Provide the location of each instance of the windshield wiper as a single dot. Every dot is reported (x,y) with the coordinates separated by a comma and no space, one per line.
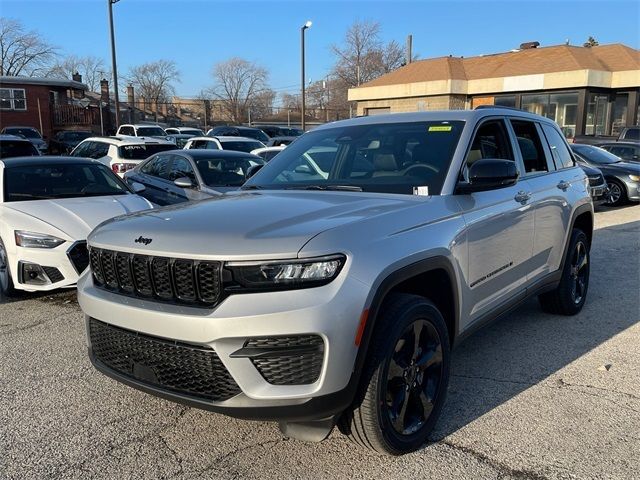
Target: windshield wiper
(344,188)
(248,187)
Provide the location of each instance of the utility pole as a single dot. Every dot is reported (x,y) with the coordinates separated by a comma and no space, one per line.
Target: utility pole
(113,62)
(302,30)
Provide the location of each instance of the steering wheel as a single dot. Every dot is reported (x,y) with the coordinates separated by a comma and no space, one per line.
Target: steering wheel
(420,166)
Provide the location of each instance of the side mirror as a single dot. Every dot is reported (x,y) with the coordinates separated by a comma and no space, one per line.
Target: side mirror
(489,174)
(252,170)
(303,169)
(183,182)
(137,187)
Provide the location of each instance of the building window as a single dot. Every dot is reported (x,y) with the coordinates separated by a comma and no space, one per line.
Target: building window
(12,99)
(562,108)
(619,113)
(597,114)
(506,101)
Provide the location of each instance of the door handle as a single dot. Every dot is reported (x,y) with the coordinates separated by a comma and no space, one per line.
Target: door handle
(563,185)
(522,197)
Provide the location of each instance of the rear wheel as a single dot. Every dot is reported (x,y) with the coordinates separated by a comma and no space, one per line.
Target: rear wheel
(617,194)
(569,296)
(404,381)
(6,282)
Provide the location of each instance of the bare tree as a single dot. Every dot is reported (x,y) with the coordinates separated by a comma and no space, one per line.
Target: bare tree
(290,102)
(23,52)
(238,81)
(91,68)
(154,81)
(262,103)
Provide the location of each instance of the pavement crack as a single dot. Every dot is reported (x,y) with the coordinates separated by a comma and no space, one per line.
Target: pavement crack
(502,469)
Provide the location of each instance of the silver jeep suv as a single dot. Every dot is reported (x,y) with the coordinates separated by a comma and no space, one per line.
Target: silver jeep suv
(331,289)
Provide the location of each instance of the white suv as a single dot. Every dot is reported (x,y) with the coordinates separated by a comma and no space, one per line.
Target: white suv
(155,131)
(239,144)
(120,153)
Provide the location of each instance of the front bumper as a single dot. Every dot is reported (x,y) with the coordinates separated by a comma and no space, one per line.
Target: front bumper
(330,312)
(56,263)
(633,190)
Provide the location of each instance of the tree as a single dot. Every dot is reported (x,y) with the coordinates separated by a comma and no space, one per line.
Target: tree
(262,103)
(23,52)
(363,56)
(154,80)
(91,68)
(591,42)
(238,82)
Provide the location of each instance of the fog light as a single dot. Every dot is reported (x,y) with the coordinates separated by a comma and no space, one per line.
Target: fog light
(33,274)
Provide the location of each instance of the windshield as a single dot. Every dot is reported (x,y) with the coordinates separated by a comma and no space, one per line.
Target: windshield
(25,132)
(254,133)
(229,172)
(595,154)
(240,145)
(17,148)
(150,132)
(142,151)
(389,158)
(45,182)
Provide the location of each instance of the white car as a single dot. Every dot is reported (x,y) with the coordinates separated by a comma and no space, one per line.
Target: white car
(238,144)
(196,132)
(121,153)
(143,130)
(48,206)
(267,153)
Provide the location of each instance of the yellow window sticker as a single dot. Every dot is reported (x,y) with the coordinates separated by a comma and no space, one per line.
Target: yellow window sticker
(440,128)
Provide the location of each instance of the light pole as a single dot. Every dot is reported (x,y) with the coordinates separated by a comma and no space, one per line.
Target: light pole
(113,62)
(304,27)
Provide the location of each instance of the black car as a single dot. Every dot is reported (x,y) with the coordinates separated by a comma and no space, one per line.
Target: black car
(598,187)
(628,151)
(14,146)
(63,142)
(232,131)
(623,178)
(277,131)
(179,176)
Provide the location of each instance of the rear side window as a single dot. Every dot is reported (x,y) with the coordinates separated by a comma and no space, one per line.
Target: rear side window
(17,148)
(142,151)
(530,146)
(559,149)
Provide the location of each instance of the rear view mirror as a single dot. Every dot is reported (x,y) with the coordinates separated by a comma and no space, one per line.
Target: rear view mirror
(183,182)
(489,174)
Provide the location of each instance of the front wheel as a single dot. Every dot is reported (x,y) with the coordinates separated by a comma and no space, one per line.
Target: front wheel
(617,194)
(6,282)
(405,378)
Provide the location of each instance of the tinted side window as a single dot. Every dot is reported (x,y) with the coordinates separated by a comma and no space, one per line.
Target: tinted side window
(621,151)
(632,134)
(491,141)
(181,167)
(100,150)
(158,167)
(81,149)
(530,146)
(561,154)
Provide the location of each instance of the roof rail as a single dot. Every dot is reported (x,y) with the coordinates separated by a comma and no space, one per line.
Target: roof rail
(483,107)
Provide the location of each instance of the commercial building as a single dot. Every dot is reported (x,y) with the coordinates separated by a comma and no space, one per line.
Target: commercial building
(586,90)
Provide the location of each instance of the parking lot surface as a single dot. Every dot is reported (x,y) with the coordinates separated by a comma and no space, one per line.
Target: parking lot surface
(532,396)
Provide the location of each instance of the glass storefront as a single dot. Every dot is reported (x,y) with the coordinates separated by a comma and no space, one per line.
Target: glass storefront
(619,117)
(597,114)
(505,101)
(562,108)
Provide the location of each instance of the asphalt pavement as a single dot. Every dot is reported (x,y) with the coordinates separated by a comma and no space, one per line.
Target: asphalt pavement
(532,396)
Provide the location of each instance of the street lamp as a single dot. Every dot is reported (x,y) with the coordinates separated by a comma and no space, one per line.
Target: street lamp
(304,27)
(113,61)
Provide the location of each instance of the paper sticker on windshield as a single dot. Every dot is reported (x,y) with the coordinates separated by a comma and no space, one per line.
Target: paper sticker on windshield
(440,128)
(422,190)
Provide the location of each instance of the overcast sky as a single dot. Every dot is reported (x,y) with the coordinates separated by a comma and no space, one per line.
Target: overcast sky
(197,34)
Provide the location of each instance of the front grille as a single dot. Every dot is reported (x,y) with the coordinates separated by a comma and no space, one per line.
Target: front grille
(595,180)
(301,365)
(54,274)
(79,256)
(165,279)
(191,370)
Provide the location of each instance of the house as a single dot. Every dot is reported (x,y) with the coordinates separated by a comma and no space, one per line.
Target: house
(586,90)
(49,105)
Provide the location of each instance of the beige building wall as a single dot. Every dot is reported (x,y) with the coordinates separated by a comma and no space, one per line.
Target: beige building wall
(415,104)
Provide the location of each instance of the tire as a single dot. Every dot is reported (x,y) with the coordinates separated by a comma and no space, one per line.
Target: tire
(617,195)
(569,296)
(6,282)
(372,421)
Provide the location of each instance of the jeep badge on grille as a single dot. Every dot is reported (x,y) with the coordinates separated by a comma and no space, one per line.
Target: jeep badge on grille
(143,240)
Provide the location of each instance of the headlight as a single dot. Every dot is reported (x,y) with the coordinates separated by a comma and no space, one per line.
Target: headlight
(286,274)
(36,240)
(635,178)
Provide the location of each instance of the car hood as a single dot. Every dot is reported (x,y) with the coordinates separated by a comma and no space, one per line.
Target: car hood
(76,217)
(622,167)
(243,225)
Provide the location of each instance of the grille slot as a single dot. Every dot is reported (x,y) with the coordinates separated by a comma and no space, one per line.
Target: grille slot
(54,274)
(299,366)
(178,367)
(178,280)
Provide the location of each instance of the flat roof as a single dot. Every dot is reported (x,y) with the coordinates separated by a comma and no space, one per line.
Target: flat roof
(50,82)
